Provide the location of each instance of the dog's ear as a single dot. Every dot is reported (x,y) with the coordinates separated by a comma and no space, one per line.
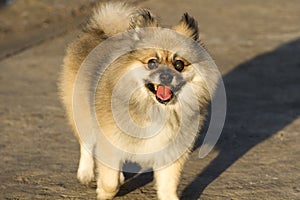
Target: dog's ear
(143,18)
(188,26)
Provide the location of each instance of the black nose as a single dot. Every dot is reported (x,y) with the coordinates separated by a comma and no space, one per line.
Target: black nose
(166,78)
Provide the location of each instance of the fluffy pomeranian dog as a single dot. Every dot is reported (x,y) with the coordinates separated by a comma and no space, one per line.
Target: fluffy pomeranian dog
(159,76)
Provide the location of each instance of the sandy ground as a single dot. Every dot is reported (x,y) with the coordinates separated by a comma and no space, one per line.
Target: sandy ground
(256,45)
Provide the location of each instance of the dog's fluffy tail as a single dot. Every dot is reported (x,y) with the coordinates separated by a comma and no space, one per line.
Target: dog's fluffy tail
(116,17)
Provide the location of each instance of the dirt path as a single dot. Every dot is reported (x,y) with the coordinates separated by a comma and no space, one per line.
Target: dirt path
(256,45)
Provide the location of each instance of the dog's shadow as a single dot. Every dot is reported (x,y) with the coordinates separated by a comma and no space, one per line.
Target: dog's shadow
(263,98)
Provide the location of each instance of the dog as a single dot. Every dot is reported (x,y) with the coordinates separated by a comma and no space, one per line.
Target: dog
(158,78)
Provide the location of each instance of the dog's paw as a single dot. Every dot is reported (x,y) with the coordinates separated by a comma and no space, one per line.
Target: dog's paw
(168,197)
(85,176)
(104,195)
(85,173)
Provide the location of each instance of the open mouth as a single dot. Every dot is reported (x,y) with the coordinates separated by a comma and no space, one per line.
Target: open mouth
(162,93)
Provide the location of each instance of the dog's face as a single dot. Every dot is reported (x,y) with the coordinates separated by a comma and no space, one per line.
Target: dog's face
(165,75)
(164,82)
(162,77)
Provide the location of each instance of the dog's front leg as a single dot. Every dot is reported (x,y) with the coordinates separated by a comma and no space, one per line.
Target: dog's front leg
(108,181)
(167,179)
(85,173)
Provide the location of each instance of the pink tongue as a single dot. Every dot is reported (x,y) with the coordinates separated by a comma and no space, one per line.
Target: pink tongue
(163,93)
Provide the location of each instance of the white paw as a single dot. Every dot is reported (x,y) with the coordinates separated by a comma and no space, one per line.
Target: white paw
(167,197)
(85,173)
(103,195)
(85,176)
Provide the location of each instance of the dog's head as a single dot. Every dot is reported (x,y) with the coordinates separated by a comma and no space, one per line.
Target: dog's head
(169,68)
(166,61)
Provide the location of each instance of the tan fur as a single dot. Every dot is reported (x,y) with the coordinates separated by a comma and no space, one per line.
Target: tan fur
(108,20)
(183,29)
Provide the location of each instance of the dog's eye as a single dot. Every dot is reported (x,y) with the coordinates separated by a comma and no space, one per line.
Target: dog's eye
(152,64)
(179,65)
